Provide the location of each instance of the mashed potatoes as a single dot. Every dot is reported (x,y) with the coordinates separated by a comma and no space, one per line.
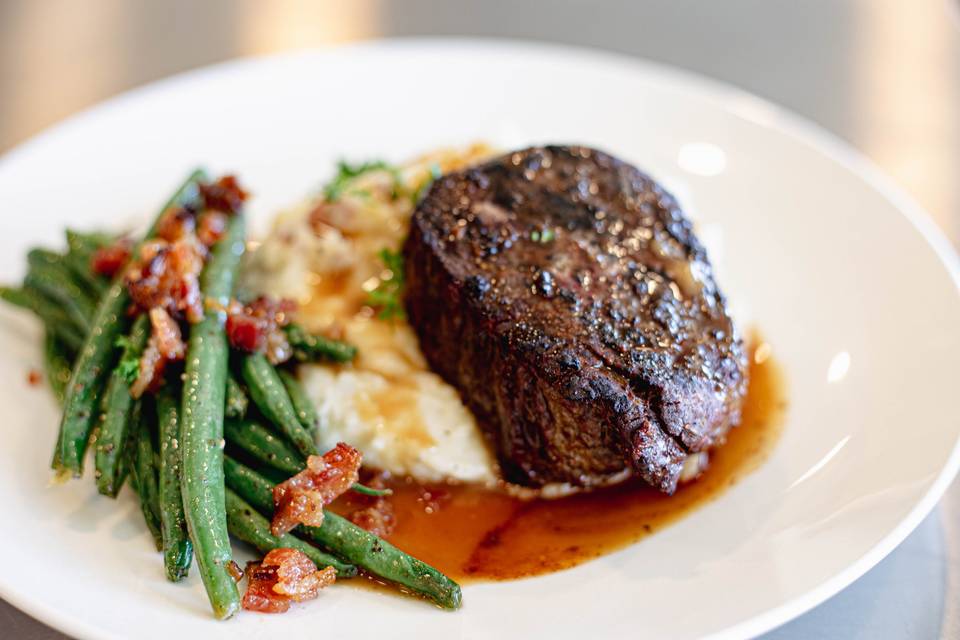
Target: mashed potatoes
(387,403)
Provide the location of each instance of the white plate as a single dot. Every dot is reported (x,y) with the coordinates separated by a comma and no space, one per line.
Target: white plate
(846,277)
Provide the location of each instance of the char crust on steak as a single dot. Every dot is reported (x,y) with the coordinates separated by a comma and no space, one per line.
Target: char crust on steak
(564,294)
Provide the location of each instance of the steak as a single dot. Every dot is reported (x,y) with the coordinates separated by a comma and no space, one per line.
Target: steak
(564,294)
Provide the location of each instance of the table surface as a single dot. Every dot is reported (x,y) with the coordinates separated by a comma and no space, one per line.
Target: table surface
(882,74)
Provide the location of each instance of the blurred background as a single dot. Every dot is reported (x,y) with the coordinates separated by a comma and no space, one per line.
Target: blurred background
(882,74)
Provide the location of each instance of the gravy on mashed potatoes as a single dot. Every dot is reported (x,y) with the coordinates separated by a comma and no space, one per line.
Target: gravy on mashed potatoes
(387,403)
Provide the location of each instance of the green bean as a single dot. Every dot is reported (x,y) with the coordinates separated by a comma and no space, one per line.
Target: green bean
(248,525)
(273,475)
(306,412)
(201,428)
(97,357)
(144,473)
(352,543)
(68,335)
(48,311)
(81,248)
(177,548)
(271,398)
(79,267)
(115,423)
(80,242)
(311,348)
(263,445)
(70,338)
(237,400)
(370,491)
(51,284)
(56,360)
(39,258)
(35,302)
(128,455)
(49,274)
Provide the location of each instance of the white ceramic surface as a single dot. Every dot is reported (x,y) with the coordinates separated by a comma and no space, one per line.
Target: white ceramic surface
(849,281)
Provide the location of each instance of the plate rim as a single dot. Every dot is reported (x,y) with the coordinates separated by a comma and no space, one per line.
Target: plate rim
(725,96)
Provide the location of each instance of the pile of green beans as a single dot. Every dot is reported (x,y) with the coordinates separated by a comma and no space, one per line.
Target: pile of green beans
(170,444)
(98,356)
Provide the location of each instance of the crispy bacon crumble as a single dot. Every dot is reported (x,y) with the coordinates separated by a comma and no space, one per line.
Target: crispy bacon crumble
(284,576)
(224,195)
(163,279)
(300,500)
(175,224)
(211,225)
(107,261)
(258,326)
(235,571)
(167,275)
(165,345)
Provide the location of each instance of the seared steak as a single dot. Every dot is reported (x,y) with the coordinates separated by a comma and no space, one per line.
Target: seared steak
(564,294)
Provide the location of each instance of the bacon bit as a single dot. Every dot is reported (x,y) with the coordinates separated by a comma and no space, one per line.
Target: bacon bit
(300,500)
(211,225)
(284,576)
(245,332)
(166,333)
(107,261)
(175,224)
(260,596)
(152,365)
(34,377)
(167,276)
(224,195)
(258,326)
(235,571)
(297,576)
(165,345)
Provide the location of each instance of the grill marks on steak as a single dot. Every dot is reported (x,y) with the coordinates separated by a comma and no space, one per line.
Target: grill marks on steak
(564,294)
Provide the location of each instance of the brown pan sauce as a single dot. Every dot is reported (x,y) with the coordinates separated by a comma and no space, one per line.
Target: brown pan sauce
(473,533)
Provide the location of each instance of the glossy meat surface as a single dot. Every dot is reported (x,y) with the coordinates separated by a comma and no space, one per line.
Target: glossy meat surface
(563,292)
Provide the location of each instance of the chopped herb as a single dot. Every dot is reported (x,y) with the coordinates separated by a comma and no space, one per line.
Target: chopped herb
(543,237)
(387,296)
(397,182)
(129,367)
(346,172)
(435,173)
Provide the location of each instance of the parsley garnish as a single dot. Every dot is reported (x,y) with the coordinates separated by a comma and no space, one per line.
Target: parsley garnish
(129,367)
(387,296)
(543,237)
(346,172)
